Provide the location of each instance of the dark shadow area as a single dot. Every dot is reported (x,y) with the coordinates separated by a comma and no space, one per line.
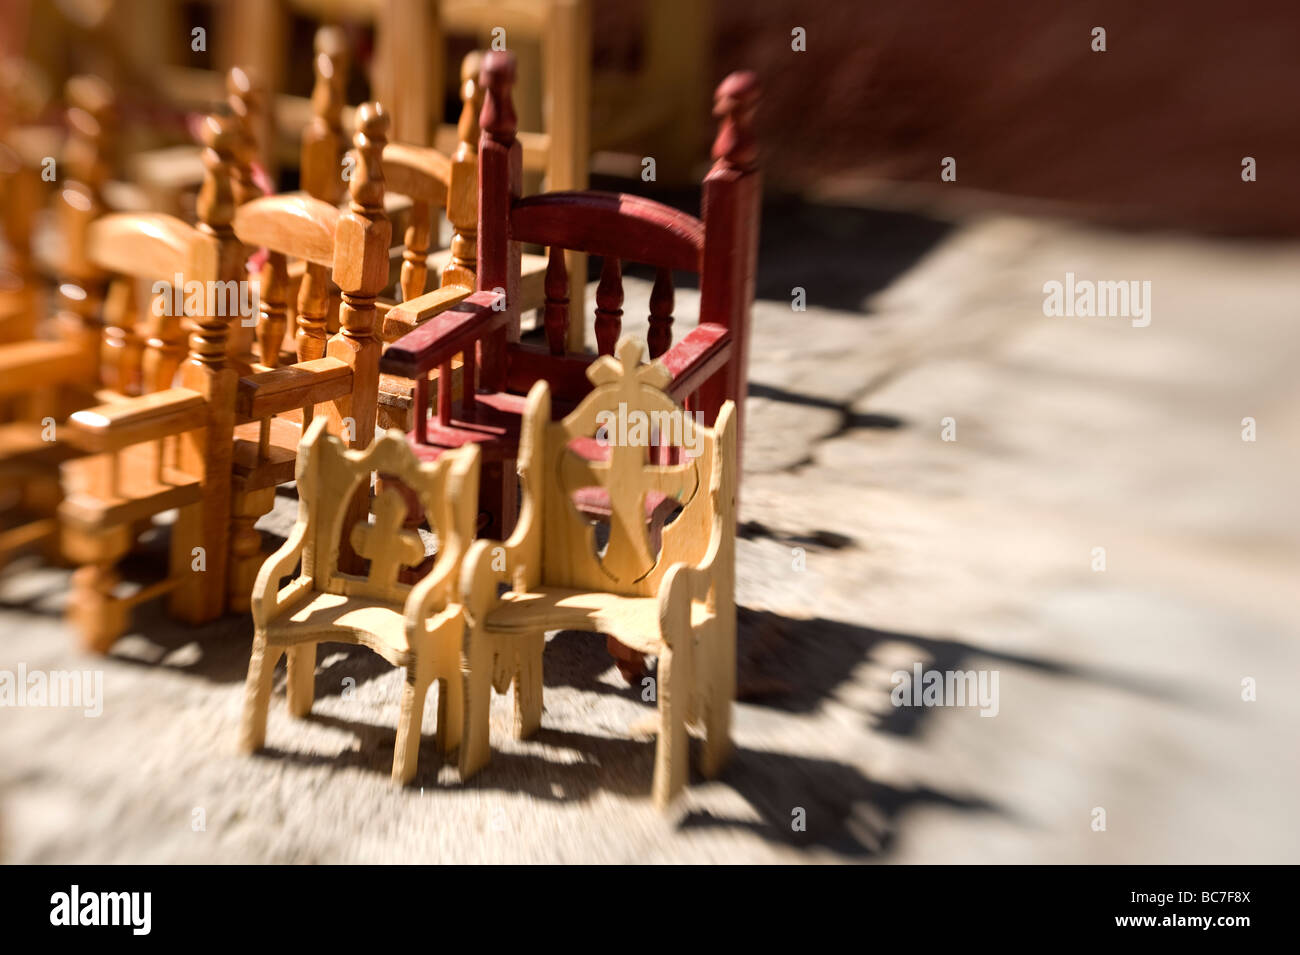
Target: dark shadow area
(850,420)
(786,664)
(801,802)
(809,803)
(819,539)
(839,255)
(793,665)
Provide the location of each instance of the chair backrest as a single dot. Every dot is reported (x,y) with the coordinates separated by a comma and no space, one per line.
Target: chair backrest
(20,197)
(329,477)
(22,193)
(246,99)
(629,413)
(721,248)
(168,255)
(324,141)
(192,273)
(354,244)
(432,181)
(80,203)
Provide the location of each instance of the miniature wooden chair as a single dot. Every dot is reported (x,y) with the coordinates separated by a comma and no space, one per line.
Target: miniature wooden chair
(419,628)
(42,381)
(708,366)
(338,374)
(677,603)
(169,450)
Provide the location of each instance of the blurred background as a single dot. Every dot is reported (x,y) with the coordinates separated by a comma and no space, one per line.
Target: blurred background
(1153,685)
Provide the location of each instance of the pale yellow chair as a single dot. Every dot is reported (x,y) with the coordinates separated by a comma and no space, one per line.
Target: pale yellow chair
(417,627)
(674,601)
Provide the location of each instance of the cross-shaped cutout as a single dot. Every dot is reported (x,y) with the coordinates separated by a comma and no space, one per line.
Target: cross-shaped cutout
(385,543)
(626,475)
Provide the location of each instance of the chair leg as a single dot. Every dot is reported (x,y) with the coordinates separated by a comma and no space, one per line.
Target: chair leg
(246,545)
(406,754)
(451,712)
(528,685)
(257,695)
(99,616)
(718,691)
(672,748)
(199,597)
(475,747)
(302,678)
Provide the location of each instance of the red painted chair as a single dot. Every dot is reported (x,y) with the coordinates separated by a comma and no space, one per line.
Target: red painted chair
(708,366)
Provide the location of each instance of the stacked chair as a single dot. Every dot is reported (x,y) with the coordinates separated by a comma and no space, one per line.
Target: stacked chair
(389,412)
(50,368)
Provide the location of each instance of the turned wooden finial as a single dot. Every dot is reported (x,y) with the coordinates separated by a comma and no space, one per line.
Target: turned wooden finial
(90,120)
(462,198)
(471,98)
(331,42)
(80,201)
(245,98)
(220,137)
(367,185)
(497,78)
(323,140)
(735,103)
(331,77)
(245,94)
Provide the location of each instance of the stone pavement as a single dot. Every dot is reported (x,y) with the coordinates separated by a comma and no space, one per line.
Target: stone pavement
(870,544)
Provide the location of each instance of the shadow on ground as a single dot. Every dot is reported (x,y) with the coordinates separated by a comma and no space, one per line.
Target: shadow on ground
(840,255)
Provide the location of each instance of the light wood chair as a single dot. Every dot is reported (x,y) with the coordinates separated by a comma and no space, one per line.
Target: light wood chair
(336,375)
(168,450)
(419,628)
(44,379)
(676,603)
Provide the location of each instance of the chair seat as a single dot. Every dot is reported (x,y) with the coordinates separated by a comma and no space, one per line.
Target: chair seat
(374,623)
(251,470)
(633,620)
(142,491)
(493,425)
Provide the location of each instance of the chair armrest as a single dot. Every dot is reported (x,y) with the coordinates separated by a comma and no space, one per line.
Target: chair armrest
(479,580)
(403,319)
(444,336)
(704,574)
(111,427)
(438,590)
(26,366)
(696,358)
(269,600)
(274,392)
